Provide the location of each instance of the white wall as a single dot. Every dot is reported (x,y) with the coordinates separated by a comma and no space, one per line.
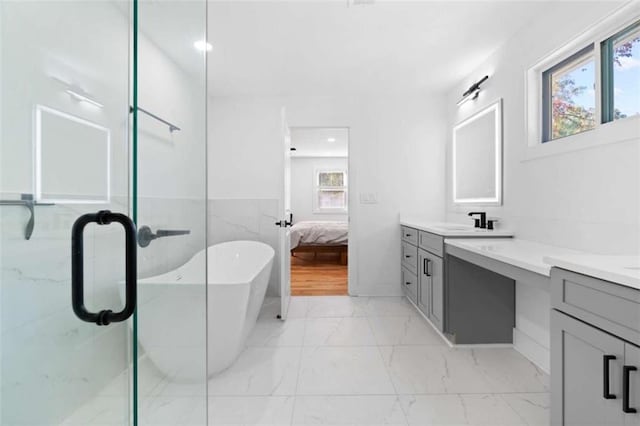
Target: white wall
(396,150)
(303,171)
(587,200)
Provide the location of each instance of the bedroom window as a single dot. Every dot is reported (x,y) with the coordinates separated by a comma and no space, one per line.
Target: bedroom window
(330,191)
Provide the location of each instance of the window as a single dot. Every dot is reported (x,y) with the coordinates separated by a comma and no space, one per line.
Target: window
(621,74)
(587,93)
(568,96)
(330,191)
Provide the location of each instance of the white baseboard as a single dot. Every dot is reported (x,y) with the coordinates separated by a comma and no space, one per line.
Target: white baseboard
(532,350)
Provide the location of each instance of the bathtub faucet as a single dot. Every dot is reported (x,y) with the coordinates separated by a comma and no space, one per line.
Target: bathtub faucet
(145,235)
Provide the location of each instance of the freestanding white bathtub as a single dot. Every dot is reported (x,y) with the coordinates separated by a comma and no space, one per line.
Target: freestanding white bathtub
(173,319)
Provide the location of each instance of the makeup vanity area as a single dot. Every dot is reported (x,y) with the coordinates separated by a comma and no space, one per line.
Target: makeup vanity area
(463,281)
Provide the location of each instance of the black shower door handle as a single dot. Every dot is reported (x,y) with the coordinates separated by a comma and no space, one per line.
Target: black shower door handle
(106,316)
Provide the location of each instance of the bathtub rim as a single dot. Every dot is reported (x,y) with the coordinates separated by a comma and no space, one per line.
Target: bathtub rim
(146,281)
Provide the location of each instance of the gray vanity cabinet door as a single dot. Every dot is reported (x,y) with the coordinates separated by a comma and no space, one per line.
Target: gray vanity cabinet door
(424,283)
(436,270)
(430,288)
(578,374)
(632,359)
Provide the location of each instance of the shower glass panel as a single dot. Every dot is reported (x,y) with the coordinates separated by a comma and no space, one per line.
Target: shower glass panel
(171,210)
(102,111)
(65,142)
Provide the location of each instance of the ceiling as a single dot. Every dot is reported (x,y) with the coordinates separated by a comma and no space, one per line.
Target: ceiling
(320,142)
(333,48)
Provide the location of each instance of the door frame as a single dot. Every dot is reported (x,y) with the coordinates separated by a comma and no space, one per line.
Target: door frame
(352,245)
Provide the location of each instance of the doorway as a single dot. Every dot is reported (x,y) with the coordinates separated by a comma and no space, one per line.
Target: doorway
(319,193)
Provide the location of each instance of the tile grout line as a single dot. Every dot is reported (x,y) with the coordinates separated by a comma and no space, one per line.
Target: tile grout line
(348,395)
(295,391)
(386,369)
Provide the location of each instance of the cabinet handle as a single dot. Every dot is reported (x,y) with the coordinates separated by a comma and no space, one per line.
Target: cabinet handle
(407,235)
(606,359)
(425,267)
(626,372)
(407,256)
(407,283)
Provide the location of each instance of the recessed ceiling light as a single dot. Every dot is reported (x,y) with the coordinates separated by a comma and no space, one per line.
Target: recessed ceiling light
(331,140)
(202,45)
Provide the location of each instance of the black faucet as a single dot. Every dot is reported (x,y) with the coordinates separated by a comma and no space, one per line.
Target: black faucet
(482,222)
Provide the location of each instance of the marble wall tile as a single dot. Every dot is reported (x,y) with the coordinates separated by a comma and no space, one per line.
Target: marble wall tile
(247,219)
(35,296)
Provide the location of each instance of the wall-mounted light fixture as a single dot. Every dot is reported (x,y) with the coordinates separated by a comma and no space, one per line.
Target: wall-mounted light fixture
(80,96)
(473,91)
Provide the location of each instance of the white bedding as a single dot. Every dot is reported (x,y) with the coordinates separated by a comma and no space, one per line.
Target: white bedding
(332,233)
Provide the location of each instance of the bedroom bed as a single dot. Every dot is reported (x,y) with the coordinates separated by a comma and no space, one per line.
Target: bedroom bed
(320,237)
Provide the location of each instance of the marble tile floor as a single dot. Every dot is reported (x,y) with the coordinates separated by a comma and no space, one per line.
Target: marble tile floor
(339,360)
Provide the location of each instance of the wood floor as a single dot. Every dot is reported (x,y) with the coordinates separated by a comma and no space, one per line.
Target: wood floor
(319,276)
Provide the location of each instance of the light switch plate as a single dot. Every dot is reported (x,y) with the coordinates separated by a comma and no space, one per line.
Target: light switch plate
(368,198)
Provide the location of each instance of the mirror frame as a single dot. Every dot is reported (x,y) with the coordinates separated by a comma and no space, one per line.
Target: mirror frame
(37,158)
(496,109)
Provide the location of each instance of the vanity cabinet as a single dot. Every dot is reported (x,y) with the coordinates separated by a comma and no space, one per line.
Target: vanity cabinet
(423,272)
(431,287)
(409,263)
(595,351)
(428,282)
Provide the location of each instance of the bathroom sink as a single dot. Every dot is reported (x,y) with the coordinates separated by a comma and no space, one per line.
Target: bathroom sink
(449,229)
(454,227)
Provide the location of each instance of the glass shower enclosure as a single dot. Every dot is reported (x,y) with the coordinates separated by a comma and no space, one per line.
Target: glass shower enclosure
(102,108)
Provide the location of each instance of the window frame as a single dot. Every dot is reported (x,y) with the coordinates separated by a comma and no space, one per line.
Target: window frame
(584,55)
(606,71)
(604,132)
(317,188)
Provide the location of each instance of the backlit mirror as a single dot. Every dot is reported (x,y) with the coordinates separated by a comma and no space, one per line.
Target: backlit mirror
(477,158)
(71,159)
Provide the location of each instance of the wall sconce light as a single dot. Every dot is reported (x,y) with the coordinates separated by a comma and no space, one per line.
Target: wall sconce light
(80,96)
(473,91)
(76,93)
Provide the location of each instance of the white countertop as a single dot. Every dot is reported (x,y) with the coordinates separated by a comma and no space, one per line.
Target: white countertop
(521,253)
(453,229)
(624,270)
